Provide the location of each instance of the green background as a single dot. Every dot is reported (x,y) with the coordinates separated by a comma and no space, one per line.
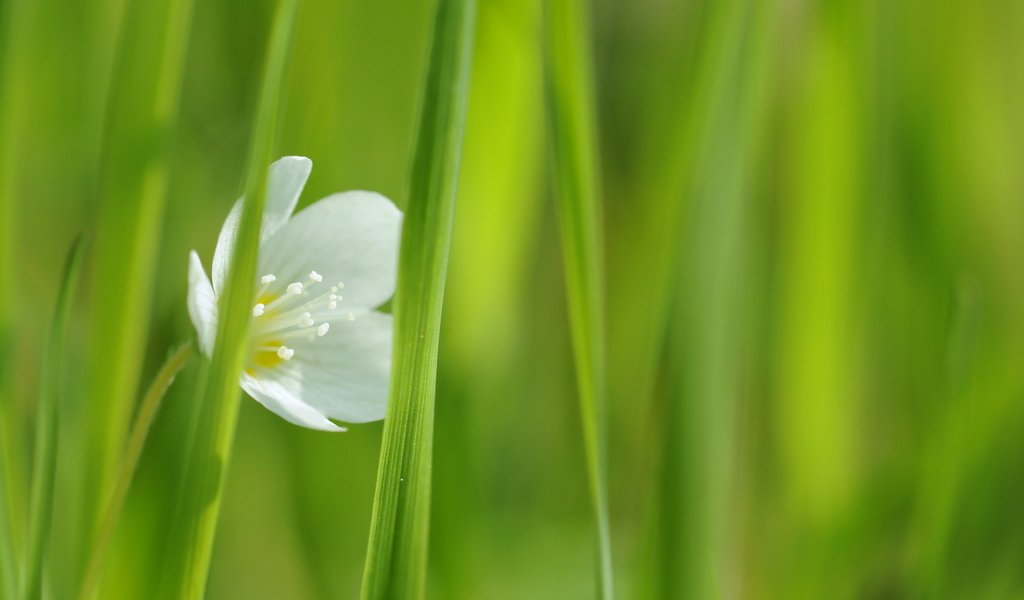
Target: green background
(814,232)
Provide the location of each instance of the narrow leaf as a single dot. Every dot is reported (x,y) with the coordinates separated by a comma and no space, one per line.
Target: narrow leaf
(570,103)
(148,409)
(44,464)
(396,558)
(207,466)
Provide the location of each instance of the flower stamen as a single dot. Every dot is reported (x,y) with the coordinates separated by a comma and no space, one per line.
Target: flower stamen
(295,314)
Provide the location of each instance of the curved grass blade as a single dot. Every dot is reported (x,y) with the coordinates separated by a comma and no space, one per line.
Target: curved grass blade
(569,90)
(45,454)
(206,469)
(396,560)
(148,409)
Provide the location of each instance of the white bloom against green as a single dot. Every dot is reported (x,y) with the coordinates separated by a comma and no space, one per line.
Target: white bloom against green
(317,349)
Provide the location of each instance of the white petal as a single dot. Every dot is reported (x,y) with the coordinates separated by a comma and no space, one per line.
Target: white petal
(350,238)
(202,303)
(281,396)
(285,181)
(343,374)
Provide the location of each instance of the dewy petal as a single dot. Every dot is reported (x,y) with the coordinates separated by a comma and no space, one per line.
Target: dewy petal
(282,397)
(350,238)
(285,181)
(202,303)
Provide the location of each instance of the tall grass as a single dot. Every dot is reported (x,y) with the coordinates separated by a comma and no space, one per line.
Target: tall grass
(789,235)
(212,437)
(694,529)
(571,121)
(396,559)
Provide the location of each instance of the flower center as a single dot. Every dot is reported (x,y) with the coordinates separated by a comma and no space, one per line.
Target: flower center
(302,311)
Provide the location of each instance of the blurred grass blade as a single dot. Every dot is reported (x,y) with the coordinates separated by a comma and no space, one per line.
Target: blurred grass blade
(134,174)
(396,560)
(569,90)
(209,455)
(148,409)
(44,462)
(692,557)
(819,355)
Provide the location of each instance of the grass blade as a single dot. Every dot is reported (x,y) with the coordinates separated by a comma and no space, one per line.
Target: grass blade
(821,354)
(148,409)
(396,560)
(133,182)
(691,555)
(206,468)
(569,91)
(45,455)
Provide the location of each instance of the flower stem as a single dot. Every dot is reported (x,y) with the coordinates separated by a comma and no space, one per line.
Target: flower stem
(129,461)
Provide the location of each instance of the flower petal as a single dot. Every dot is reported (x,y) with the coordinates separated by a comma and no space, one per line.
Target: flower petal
(202,303)
(343,374)
(285,181)
(350,237)
(280,396)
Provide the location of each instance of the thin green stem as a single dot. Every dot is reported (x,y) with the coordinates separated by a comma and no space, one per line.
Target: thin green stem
(148,410)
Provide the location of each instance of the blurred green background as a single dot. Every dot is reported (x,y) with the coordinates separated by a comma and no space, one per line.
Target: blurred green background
(814,222)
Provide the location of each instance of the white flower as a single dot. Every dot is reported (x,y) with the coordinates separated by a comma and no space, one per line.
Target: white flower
(317,349)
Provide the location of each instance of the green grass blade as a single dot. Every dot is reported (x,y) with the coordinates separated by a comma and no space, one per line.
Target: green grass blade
(45,455)
(211,448)
(569,91)
(135,170)
(820,357)
(396,560)
(692,556)
(148,409)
